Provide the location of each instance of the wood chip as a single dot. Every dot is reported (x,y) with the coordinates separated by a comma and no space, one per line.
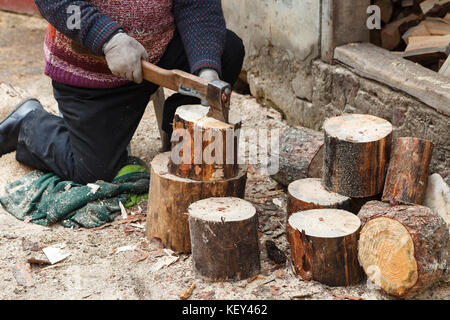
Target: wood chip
(186,294)
(22,274)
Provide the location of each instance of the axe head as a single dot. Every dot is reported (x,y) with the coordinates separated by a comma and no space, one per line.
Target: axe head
(218,99)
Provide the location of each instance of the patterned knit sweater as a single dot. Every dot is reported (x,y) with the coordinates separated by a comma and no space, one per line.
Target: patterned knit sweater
(74,56)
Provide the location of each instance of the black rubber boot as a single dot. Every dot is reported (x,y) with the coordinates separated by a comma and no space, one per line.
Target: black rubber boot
(10,126)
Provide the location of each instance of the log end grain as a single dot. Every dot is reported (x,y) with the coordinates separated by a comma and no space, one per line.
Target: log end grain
(404,248)
(308,194)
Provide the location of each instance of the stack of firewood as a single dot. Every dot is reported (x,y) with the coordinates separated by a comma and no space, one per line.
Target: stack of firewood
(418,30)
(399,244)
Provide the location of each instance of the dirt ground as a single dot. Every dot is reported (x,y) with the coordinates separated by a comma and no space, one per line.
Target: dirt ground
(117,261)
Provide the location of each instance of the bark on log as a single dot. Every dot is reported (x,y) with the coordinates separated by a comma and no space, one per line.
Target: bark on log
(207,148)
(308,194)
(224,233)
(356,154)
(407,176)
(301,155)
(324,246)
(403,249)
(170,197)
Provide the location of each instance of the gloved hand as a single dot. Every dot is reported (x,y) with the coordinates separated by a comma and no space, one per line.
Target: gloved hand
(209,75)
(123,55)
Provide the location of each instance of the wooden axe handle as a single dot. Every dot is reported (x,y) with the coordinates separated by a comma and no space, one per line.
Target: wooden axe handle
(173,79)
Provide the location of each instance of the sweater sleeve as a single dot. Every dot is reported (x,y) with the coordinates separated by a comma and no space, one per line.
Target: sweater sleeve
(203,30)
(95,28)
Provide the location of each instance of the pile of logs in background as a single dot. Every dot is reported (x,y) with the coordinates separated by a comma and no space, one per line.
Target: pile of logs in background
(418,30)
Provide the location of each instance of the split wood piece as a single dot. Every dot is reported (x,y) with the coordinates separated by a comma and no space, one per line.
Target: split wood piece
(403,249)
(205,148)
(170,197)
(407,176)
(391,35)
(437,26)
(356,154)
(324,246)
(308,194)
(417,31)
(427,48)
(427,5)
(224,235)
(301,155)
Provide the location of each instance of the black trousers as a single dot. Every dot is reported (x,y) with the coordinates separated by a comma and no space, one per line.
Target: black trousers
(89,143)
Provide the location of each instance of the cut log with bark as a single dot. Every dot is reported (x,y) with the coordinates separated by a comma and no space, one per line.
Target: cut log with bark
(204,148)
(308,194)
(324,246)
(403,249)
(407,176)
(356,154)
(170,197)
(301,155)
(224,234)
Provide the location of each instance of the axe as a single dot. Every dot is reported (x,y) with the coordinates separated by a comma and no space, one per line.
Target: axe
(215,94)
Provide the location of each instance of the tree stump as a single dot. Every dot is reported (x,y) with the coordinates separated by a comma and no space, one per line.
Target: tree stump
(407,176)
(403,249)
(204,148)
(308,194)
(324,246)
(301,155)
(170,197)
(224,234)
(356,154)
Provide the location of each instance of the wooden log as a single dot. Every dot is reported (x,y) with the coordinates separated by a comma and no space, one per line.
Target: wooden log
(407,176)
(324,246)
(224,233)
(170,197)
(301,155)
(208,147)
(356,154)
(403,249)
(308,194)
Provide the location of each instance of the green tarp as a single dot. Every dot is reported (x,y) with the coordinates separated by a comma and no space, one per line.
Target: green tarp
(46,199)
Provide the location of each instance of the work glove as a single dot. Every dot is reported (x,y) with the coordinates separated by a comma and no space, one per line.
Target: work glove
(209,75)
(124,55)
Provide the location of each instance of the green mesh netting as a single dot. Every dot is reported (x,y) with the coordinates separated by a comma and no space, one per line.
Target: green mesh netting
(46,199)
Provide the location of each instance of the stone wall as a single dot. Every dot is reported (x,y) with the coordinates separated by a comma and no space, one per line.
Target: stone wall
(338,90)
(283,43)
